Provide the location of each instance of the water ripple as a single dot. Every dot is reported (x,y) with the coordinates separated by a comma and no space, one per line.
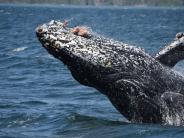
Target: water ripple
(18,120)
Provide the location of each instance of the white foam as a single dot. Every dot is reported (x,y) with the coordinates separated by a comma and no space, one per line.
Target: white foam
(19,49)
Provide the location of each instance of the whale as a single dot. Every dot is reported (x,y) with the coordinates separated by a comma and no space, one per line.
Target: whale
(144,88)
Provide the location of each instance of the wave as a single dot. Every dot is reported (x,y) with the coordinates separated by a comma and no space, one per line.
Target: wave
(7,106)
(75,117)
(33,103)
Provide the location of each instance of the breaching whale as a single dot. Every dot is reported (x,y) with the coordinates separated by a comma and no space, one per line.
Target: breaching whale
(145,89)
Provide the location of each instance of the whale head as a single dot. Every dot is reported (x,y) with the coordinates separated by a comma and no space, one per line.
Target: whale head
(87,56)
(79,52)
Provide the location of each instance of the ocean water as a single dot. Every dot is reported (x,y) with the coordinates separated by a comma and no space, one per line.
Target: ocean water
(38,96)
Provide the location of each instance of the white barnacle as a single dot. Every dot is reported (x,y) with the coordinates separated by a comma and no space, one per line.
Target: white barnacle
(62,38)
(72,43)
(53,38)
(46,36)
(46,44)
(58,44)
(136,63)
(51,22)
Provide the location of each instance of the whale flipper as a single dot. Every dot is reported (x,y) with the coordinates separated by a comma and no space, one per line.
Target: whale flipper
(131,104)
(173,99)
(173,53)
(173,104)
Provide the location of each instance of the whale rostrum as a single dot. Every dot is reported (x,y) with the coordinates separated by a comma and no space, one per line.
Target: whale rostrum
(143,88)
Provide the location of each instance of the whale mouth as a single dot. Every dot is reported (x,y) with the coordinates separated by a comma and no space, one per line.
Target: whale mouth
(73,44)
(58,32)
(59,40)
(54,32)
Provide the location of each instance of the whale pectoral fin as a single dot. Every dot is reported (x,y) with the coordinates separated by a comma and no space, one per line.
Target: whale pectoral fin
(172,97)
(173,53)
(130,99)
(174,101)
(173,108)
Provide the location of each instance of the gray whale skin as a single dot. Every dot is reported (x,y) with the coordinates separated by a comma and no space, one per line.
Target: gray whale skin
(143,88)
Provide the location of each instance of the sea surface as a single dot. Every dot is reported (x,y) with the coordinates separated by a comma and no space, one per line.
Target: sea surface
(38,96)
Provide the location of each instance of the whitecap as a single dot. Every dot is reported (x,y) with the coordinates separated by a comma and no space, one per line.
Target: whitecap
(19,49)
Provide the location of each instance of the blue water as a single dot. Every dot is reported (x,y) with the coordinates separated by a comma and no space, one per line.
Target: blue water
(38,96)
